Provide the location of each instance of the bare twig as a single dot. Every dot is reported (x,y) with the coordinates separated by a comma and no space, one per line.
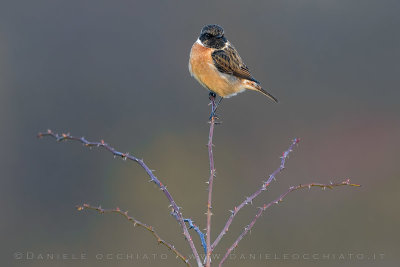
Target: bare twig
(193,226)
(210,181)
(137,223)
(175,208)
(276,201)
(250,199)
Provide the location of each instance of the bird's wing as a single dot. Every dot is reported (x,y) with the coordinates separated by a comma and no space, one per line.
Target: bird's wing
(228,61)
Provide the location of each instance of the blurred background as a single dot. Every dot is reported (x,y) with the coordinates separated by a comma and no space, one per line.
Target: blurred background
(117,70)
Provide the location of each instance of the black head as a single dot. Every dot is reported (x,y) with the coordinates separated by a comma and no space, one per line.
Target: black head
(212,36)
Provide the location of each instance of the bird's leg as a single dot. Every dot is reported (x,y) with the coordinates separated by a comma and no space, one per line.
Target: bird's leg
(212,96)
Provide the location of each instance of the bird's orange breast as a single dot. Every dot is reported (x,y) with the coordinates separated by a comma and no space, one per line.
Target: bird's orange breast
(201,66)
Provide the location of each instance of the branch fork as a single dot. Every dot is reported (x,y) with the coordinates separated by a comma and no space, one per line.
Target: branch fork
(205,238)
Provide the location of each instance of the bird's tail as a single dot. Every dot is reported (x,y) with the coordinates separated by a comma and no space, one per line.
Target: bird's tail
(252,85)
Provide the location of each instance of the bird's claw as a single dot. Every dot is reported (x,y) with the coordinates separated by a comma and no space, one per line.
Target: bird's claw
(212,95)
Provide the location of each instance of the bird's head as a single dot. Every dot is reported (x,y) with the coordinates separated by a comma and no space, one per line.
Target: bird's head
(212,36)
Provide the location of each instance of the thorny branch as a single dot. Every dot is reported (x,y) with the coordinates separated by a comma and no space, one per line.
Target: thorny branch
(175,209)
(276,201)
(136,223)
(250,199)
(210,180)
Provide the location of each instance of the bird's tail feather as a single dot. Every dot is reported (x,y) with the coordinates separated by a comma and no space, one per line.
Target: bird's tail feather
(257,87)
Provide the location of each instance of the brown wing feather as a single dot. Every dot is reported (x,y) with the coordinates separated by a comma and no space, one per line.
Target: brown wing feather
(228,61)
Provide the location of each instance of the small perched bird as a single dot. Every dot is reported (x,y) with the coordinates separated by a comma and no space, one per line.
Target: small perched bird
(216,65)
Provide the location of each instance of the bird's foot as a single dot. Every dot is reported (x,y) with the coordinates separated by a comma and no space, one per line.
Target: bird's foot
(212,95)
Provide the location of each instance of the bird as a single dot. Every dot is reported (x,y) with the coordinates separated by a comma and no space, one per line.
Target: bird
(216,65)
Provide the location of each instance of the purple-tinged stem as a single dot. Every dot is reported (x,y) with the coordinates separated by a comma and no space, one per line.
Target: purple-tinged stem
(153,178)
(276,201)
(210,181)
(137,223)
(250,199)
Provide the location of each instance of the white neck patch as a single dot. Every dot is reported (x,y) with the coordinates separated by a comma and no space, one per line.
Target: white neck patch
(199,42)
